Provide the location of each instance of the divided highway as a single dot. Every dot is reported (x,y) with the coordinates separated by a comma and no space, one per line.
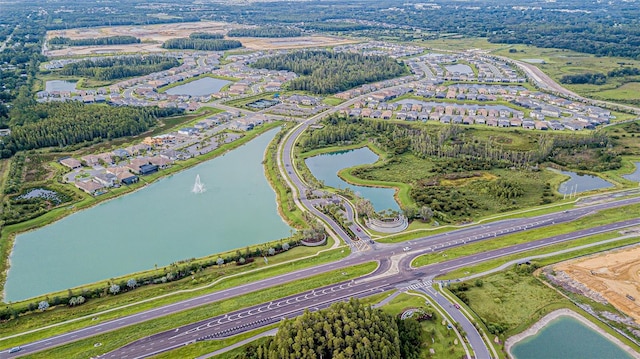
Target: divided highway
(382,280)
(267,313)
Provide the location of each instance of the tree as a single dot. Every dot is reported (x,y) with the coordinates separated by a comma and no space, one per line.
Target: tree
(219,261)
(271,251)
(364,207)
(132,283)
(344,330)
(241,260)
(411,337)
(426,213)
(43,305)
(114,289)
(285,246)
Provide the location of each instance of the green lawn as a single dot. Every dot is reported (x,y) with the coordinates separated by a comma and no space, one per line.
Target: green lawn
(115,339)
(206,281)
(600,218)
(438,336)
(509,302)
(485,266)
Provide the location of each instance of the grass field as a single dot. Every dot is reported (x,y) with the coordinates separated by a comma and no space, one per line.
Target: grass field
(512,301)
(438,336)
(485,266)
(600,218)
(115,339)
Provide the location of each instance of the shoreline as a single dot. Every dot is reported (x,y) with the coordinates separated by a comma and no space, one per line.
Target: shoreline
(544,321)
(5,262)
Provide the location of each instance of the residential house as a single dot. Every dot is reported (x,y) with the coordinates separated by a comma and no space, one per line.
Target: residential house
(136,164)
(90,160)
(161,162)
(71,162)
(106,179)
(122,153)
(90,187)
(148,169)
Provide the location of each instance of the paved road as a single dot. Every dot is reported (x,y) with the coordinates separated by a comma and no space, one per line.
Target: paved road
(267,313)
(473,336)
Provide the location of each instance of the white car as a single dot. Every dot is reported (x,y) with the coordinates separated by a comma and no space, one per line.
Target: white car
(406,249)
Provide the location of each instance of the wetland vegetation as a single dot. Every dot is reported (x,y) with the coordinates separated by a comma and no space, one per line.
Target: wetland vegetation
(461,173)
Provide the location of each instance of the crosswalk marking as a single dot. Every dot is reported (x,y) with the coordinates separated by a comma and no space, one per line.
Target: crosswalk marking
(424,284)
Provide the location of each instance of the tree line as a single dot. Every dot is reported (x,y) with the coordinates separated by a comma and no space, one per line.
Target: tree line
(265,31)
(480,153)
(344,330)
(69,123)
(334,26)
(205,36)
(201,44)
(598,78)
(109,40)
(327,72)
(111,68)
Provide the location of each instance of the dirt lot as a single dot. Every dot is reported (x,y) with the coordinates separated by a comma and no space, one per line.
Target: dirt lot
(152,37)
(614,275)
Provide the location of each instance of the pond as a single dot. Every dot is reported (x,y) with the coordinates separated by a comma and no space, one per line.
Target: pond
(159,224)
(60,85)
(200,87)
(567,338)
(581,183)
(460,68)
(635,176)
(41,193)
(325,167)
(534,61)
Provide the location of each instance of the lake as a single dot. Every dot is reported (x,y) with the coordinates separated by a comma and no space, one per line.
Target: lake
(200,87)
(460,68)
(635,176)
(582,183)
(60,85)
(159,224)
(567,338)
(325,167)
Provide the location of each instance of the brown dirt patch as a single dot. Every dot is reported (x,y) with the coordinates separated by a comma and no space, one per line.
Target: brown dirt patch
(615,275)
(152,37)
(259,43)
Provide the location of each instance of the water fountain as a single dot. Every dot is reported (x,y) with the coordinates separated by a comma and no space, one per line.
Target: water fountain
(198,187)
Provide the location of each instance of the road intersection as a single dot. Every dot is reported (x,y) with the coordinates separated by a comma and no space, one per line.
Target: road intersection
(383,279)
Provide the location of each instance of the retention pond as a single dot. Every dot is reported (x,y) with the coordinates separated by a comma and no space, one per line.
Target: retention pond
(567,338)
(162,223)
(325,167)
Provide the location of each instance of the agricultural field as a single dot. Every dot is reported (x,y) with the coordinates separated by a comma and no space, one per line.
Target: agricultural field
(152,37)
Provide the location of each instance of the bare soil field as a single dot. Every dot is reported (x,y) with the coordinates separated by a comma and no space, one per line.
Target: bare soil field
(152,37)
(613,275)
(260,43)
